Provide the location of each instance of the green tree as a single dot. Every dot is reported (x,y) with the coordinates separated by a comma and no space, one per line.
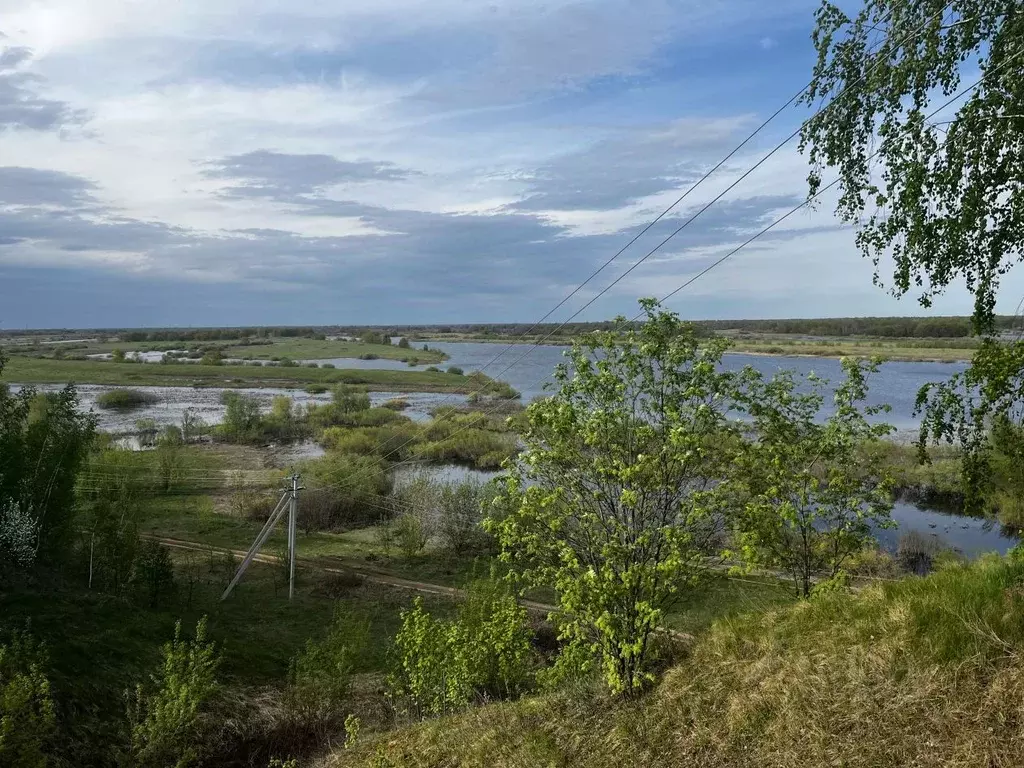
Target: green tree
(44,439)
(811,492)
(939,198)
(117,356)
(614,499)
(403,343)
(164,716)
(321,673)
(242,418)
(27,719)
(154,573)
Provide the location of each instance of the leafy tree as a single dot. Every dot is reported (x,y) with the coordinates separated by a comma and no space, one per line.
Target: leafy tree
(117,356)
(27,719)
(403,343)
(460,507)
(242,418)
(812,493)
(43,441)
(941,199)
(614,499)
(164,716)
(154,573)
(192,425)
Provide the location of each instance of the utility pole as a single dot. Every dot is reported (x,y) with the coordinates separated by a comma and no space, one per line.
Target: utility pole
(293,513)
(289,499)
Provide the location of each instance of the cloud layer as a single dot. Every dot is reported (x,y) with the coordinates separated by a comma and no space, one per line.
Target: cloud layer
(262,161)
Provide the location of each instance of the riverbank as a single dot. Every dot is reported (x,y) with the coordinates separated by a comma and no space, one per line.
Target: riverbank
(905,350)
(29,370)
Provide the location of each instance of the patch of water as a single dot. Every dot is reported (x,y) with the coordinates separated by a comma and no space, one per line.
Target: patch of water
(971,536)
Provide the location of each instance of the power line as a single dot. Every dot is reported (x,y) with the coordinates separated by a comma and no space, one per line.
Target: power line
(685,224)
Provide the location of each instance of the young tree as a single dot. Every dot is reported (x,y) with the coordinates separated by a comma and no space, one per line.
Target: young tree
(812,494)
(154,573)
(163,717)
(615,498)
(939,198)
(27,715)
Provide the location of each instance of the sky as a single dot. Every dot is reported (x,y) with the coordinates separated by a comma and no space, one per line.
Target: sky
(249,162)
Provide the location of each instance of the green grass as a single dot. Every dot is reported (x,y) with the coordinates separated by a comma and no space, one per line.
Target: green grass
(100,646)
(25,370)
(312,349)
(919,672)
(924,350)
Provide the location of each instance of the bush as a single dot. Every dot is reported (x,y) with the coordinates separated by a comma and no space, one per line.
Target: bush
(438,666)
(315,389)
(164,715)
(242,419)
(344,491)
(396,404)
(433,369)
(320,674)
(154,573)
(124,399)
(455,370)
(327,365)
(27,718)
(474,447)
(411,534)
(461,512)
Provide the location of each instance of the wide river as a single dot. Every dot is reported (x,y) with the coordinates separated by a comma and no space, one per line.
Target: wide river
(529,369)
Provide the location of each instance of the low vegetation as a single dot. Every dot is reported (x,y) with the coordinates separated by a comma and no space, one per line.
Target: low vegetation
(125,399)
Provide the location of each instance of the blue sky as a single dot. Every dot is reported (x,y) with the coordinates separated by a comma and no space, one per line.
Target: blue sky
(230,162)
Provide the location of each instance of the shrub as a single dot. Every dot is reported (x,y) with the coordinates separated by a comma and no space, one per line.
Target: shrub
(344,491)
(461,512)
(154,573)
(315,389)
(320,674)
(212,357)
(473,447)
(27,718)
(396,404)
(327,365)
(411,534)
(124,399)
(437,666)
(433,369)
(163,716)
(455,370)
(242,418)
(311,365)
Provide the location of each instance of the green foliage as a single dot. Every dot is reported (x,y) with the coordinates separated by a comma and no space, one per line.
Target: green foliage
(124,399)
(949,206)
(438,665)
(343,491)
(461,511)
(615,498)
(321,673)
(212,357)
(411,533)
(454,369)
(27,717)
(809,493)
(977,411)
(403,343)
(242,418)
(164,716)
(43,441)
(154,573)
(117,356)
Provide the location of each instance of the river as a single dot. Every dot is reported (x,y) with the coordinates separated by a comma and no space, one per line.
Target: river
(529,368)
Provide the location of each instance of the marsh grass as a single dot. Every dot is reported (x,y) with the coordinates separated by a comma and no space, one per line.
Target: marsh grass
(125,399)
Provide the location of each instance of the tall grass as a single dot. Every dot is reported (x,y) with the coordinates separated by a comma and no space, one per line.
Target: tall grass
(922,672)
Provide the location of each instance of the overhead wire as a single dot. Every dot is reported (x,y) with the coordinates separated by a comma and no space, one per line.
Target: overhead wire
(685,224)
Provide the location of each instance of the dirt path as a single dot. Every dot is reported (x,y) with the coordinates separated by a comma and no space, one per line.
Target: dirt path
(370,574)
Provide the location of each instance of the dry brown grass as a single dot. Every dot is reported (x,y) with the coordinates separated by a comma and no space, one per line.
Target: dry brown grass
(924,672)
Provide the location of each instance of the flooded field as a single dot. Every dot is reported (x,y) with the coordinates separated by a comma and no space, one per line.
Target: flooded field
(206,402)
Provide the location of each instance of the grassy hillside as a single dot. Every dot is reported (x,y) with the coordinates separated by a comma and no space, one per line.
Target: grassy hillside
(919,672)
(27,370)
